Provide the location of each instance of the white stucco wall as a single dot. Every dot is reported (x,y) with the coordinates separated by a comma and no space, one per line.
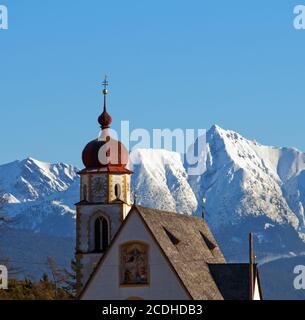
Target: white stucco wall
(88,262)
(256,295)
(164,284)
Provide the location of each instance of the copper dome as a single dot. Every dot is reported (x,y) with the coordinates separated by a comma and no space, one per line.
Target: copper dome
(99,154)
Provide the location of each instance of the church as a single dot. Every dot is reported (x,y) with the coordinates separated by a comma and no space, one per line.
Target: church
(128,252)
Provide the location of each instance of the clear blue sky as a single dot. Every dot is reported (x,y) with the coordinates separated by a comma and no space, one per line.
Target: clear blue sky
(177,64)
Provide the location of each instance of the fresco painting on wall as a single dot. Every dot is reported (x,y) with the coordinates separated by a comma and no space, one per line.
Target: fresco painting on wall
(134,263)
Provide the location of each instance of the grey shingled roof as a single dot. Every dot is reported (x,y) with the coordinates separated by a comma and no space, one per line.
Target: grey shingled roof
(191,257)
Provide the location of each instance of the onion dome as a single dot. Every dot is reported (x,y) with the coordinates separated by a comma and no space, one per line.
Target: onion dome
(99,154)
(105,152)
(105,119)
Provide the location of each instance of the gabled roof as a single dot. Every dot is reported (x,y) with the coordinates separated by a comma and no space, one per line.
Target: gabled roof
(196,259)
(191,256)
(233,279)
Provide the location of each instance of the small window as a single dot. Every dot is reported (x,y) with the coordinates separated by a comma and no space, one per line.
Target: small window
(172,238)
(117,191)
(208,242)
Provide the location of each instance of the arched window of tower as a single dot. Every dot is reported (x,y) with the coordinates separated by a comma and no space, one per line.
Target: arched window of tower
(101,234)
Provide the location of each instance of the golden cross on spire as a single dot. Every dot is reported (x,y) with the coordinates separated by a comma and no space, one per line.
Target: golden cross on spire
(105,84)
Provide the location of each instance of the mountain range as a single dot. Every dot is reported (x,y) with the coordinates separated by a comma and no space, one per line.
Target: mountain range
(247,187)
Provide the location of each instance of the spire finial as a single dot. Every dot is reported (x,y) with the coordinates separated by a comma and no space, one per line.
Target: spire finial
(105,119)
(105,84)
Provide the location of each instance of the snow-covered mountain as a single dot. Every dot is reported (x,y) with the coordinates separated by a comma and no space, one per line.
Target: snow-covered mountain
(40,196)
(161,181)
(244,178)
(252,187)
(247,187)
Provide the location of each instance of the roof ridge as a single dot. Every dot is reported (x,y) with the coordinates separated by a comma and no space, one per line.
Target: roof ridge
(165,212)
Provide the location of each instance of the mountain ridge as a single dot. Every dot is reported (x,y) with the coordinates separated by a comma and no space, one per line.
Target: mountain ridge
(248,187)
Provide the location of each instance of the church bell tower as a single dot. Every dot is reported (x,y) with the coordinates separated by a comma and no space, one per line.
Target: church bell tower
(104,196)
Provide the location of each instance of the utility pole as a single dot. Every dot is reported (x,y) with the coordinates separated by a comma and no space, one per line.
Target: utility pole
(135,198)
(203,208)
(251,267)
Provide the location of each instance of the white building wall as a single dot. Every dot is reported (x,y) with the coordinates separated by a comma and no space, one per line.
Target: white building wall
(164,284)
(256,295)
(89,262)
